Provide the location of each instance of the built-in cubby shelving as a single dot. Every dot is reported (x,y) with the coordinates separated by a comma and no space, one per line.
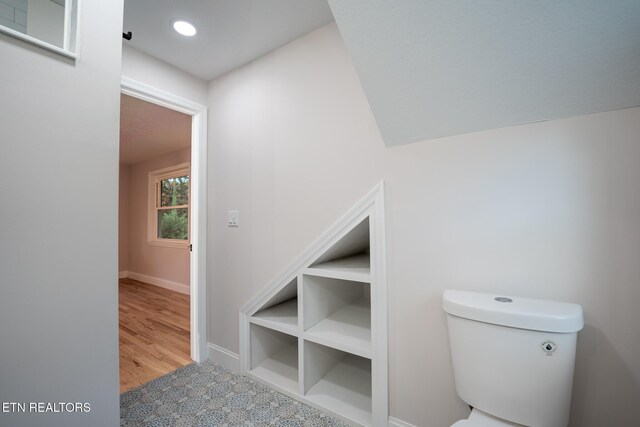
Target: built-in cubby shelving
(318,333)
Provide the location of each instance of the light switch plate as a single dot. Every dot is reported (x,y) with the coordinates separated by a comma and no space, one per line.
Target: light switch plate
(233,219)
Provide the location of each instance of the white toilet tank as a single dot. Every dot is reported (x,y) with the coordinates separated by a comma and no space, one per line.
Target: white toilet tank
(513,357)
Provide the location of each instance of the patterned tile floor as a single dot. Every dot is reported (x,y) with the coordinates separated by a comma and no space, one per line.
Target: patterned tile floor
(207,394)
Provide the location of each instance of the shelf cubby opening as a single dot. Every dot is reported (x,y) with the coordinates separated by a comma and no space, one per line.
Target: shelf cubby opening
(355,242)
(337,313)
(274,357)
(281,311)
(338,380)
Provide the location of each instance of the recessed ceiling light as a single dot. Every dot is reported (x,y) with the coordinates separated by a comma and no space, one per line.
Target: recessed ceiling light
(184,28)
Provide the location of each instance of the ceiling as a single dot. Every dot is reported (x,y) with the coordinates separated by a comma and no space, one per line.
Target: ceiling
(231,33)
(438,68)
(149,130)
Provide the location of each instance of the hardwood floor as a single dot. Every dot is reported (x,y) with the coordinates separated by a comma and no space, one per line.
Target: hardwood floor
(154,332)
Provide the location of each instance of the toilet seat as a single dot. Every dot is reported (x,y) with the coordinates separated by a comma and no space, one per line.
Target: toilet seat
(482,419)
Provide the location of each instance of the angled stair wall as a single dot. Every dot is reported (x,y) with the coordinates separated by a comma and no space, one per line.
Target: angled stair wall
(318,333)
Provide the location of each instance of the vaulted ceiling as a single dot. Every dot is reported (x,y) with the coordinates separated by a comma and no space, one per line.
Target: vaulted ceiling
(436,68)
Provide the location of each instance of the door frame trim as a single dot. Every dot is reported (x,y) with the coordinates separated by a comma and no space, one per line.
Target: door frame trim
(198,215)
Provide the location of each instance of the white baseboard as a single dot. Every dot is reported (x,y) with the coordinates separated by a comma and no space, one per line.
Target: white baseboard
(167,284)
(224,357)
(394,422)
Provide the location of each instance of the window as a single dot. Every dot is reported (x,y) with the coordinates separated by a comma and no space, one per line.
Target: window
(169,206)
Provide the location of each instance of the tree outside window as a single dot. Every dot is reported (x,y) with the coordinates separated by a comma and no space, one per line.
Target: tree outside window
(173,212)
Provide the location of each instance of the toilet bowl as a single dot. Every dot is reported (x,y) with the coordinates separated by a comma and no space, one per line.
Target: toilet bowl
(482,419)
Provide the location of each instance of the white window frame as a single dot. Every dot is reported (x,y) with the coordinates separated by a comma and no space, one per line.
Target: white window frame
(154,197)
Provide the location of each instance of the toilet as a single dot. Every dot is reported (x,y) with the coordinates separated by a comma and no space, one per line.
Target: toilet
(513,358)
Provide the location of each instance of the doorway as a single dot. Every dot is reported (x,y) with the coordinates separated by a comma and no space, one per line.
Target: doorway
(162,249)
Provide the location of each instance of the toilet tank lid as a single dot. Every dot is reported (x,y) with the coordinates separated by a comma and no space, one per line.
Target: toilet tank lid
(515,312)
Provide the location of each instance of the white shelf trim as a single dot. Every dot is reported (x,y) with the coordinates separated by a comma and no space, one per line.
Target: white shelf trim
(338,330)
(355,215)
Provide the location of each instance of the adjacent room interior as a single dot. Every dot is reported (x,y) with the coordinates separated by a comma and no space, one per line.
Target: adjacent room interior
(153,241)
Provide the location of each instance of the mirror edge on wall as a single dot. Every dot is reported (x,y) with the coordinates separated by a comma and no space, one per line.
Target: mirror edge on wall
(70,37)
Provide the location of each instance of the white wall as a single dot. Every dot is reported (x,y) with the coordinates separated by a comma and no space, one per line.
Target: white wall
(547,210)
(58,236)
(146,69)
